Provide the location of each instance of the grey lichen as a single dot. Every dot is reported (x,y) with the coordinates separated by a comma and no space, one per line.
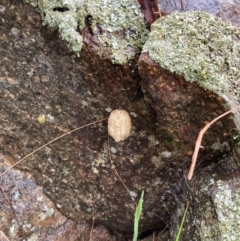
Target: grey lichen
(124,28)
(227,207)
(67,16)
(100,161)
(118,25)
(32,2)
(201,47)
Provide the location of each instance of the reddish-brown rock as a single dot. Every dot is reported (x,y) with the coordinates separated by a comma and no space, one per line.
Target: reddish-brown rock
(23,202)
(182,109)
(190,76)
(45,92)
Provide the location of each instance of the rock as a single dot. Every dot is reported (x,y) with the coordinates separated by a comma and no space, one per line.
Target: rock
(214,198)
(46,92)
(38,217)
(190,75)
(114,29)
(224,9)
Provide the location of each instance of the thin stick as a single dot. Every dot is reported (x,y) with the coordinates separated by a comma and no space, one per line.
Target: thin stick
(161,232)
(153,237)
(50,142)
(122,182)
(182,6)
(175,4)
(199,140)
(110,158)
(4,236)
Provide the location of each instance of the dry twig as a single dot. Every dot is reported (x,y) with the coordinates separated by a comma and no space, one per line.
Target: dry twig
(199,140)
(50,142)
(110,158)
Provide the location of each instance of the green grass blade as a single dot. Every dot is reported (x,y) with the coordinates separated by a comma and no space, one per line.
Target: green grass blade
(138,212)
(182,222)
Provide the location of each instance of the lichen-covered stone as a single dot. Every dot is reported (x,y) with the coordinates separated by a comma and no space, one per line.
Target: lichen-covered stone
(38,77)
(214,196)
(190,76)
(226,201)
(118,25)
(201,47)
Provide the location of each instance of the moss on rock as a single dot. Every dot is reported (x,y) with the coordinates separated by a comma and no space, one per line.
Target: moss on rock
(201,47)
(226,201)
(119,25)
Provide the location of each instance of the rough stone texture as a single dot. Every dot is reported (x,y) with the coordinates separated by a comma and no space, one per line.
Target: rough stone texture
(227,10)
(117,27)
(202,48)
(214,196)
(188,87)
(38,216)
(183,103)
(46,92)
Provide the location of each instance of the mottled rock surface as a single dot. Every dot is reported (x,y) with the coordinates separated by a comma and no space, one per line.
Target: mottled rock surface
(46,92)
(190,75)
(187,89)
(214,200)
(23,202)
(116,29)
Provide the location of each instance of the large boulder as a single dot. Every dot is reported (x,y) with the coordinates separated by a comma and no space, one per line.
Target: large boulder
(46,92)
(190,75)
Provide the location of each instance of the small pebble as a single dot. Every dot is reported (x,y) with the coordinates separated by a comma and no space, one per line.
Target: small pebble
(15,31)
(84,103)
(166,154)
(113,150)
(108,109)
(2,9)
(59,205)
(133,114)
(50,117)
(133,194)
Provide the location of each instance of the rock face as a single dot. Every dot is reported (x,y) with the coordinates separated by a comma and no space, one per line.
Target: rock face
(190,77)
(24,203)
(188,83)
(214,198)
(117,28)
(46,92)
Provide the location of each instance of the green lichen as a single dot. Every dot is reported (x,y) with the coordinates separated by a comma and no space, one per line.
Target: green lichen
(66,16)
(228,211)
(201,47)
(227,208)
(209,228)
(118,25)
(32,2)
(100,161)
(122,22)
